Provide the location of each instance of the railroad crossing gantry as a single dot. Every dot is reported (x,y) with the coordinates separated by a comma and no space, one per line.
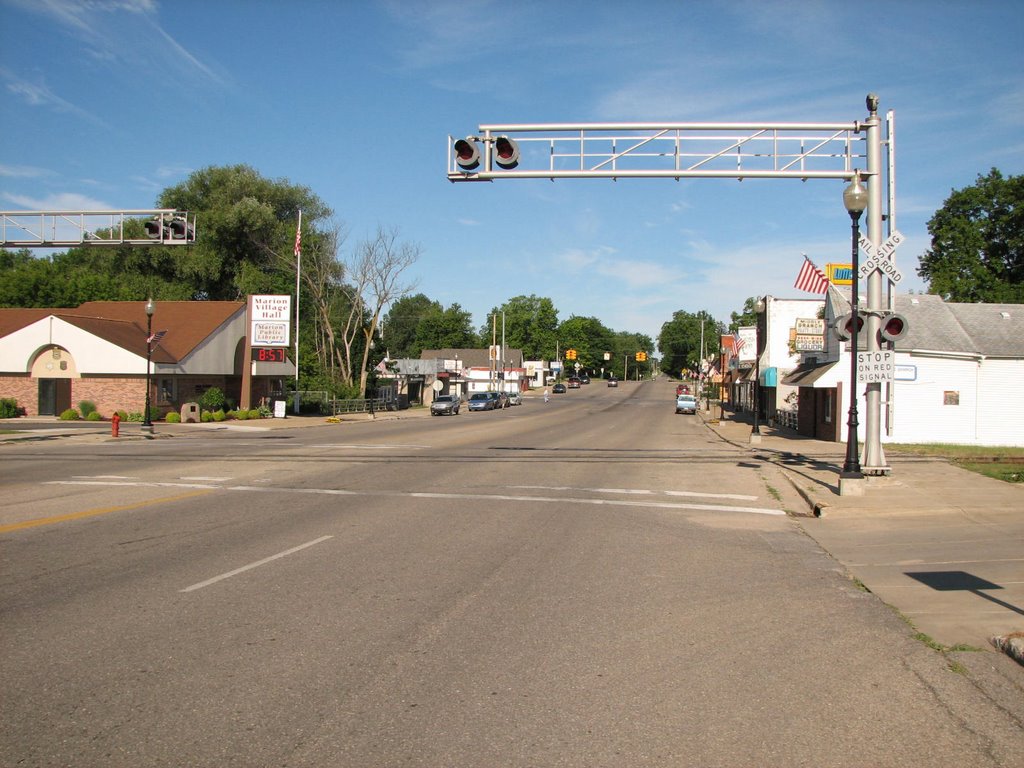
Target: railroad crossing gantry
(708,150)
(69,229)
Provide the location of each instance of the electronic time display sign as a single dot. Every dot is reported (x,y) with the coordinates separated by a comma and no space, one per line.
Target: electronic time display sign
(268,355)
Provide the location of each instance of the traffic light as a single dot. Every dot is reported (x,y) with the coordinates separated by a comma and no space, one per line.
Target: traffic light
(894,327)
(844,326)
(467,154)
(641,357)
(570,354)
(179,229)
(506,152)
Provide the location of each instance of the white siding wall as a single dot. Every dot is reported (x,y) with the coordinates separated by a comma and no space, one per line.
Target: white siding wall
(91,355)
(920,415)
(1001,402)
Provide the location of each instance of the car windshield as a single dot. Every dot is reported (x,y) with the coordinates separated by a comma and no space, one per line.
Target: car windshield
(480,396)
(444,399)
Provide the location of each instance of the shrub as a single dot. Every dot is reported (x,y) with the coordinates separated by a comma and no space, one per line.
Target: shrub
(69,415)
(8,408)
(122,415)
(134,417)
(242,415)
(206,416)
(255,413)
(212,400)
(93,416)
(219,415)
(173,418)
(87,407)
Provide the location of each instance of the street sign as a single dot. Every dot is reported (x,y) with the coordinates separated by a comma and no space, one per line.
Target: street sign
(880,258)
(876,366)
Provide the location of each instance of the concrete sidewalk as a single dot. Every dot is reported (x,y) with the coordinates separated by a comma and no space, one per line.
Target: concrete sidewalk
(942,545)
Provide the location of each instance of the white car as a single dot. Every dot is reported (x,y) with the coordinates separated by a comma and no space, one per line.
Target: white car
(686,404)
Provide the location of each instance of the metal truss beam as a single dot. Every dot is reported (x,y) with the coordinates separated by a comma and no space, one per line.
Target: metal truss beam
(68,229)
(671,150)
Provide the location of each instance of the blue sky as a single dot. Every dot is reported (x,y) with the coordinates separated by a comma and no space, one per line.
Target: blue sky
(104,103)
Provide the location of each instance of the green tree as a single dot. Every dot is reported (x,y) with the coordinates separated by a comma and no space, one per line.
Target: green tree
(977,252)
(680,340)
(589,337)
(246,231)
(401,323)
(745,318)
(531,324)
(441,328)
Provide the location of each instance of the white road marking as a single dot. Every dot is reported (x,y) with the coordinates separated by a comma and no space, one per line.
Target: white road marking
(257,564)
(455,496)
(639,492)
(207,479)
(369,446)
(103,477)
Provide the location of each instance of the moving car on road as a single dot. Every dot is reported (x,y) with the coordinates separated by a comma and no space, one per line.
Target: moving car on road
(559,388)
(445,405)
(613,382)
(686,404)
(514,398)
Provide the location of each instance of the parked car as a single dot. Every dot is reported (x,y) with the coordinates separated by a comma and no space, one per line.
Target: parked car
(514,398)
(613,382)
(559,388)
(686,404)
(445,405)
(574,383)
(483,401)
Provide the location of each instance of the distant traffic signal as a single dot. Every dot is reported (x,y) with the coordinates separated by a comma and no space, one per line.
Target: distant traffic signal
(570,354)
(641,357)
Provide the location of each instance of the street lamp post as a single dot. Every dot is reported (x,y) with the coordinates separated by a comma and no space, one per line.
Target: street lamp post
(855,198)
(147,423)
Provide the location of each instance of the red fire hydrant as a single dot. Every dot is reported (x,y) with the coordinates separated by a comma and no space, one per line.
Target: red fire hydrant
(115,424)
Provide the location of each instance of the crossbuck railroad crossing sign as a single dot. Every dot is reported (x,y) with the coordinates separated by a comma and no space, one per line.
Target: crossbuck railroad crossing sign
(880,258)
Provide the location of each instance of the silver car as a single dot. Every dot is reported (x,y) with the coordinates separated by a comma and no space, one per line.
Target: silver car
(514,398)
(445,405)
(686,404)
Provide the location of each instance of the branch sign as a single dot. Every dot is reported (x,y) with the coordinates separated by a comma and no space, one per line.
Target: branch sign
(881,258)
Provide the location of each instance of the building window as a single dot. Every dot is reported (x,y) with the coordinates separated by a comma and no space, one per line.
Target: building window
(828,405)
(950,398)
(167,391)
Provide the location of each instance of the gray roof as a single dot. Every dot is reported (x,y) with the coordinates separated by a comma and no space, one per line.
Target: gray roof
(933,325)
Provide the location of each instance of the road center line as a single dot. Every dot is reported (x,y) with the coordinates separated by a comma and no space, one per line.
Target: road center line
(257,564)
(95,512)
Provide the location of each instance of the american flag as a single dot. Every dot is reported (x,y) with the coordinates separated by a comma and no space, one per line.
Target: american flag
(298,242)
(740,341)
(156,337)
(811,279)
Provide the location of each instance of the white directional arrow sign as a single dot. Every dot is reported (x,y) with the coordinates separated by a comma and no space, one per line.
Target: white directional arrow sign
(880,258)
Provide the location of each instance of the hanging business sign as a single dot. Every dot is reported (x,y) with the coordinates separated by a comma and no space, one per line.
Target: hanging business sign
(839,274)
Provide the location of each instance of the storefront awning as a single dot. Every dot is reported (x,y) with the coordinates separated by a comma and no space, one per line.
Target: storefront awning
(818,375)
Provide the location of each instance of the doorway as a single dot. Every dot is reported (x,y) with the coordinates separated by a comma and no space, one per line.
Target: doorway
(54,396)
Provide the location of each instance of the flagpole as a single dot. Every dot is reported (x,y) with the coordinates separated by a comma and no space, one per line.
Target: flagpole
(298,278)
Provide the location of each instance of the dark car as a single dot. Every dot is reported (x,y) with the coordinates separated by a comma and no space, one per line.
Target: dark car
(558,389)
(445,404)
(584,379)
(613,382)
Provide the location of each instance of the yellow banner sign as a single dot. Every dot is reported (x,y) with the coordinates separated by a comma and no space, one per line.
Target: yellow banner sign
(839,274)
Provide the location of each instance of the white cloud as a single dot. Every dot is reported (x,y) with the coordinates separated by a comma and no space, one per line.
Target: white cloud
(23,172)
(62,201)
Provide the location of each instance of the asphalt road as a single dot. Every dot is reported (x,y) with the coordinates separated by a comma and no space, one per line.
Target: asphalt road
(589,582)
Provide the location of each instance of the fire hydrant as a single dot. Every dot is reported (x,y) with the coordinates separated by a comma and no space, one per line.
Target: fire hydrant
(115,425)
